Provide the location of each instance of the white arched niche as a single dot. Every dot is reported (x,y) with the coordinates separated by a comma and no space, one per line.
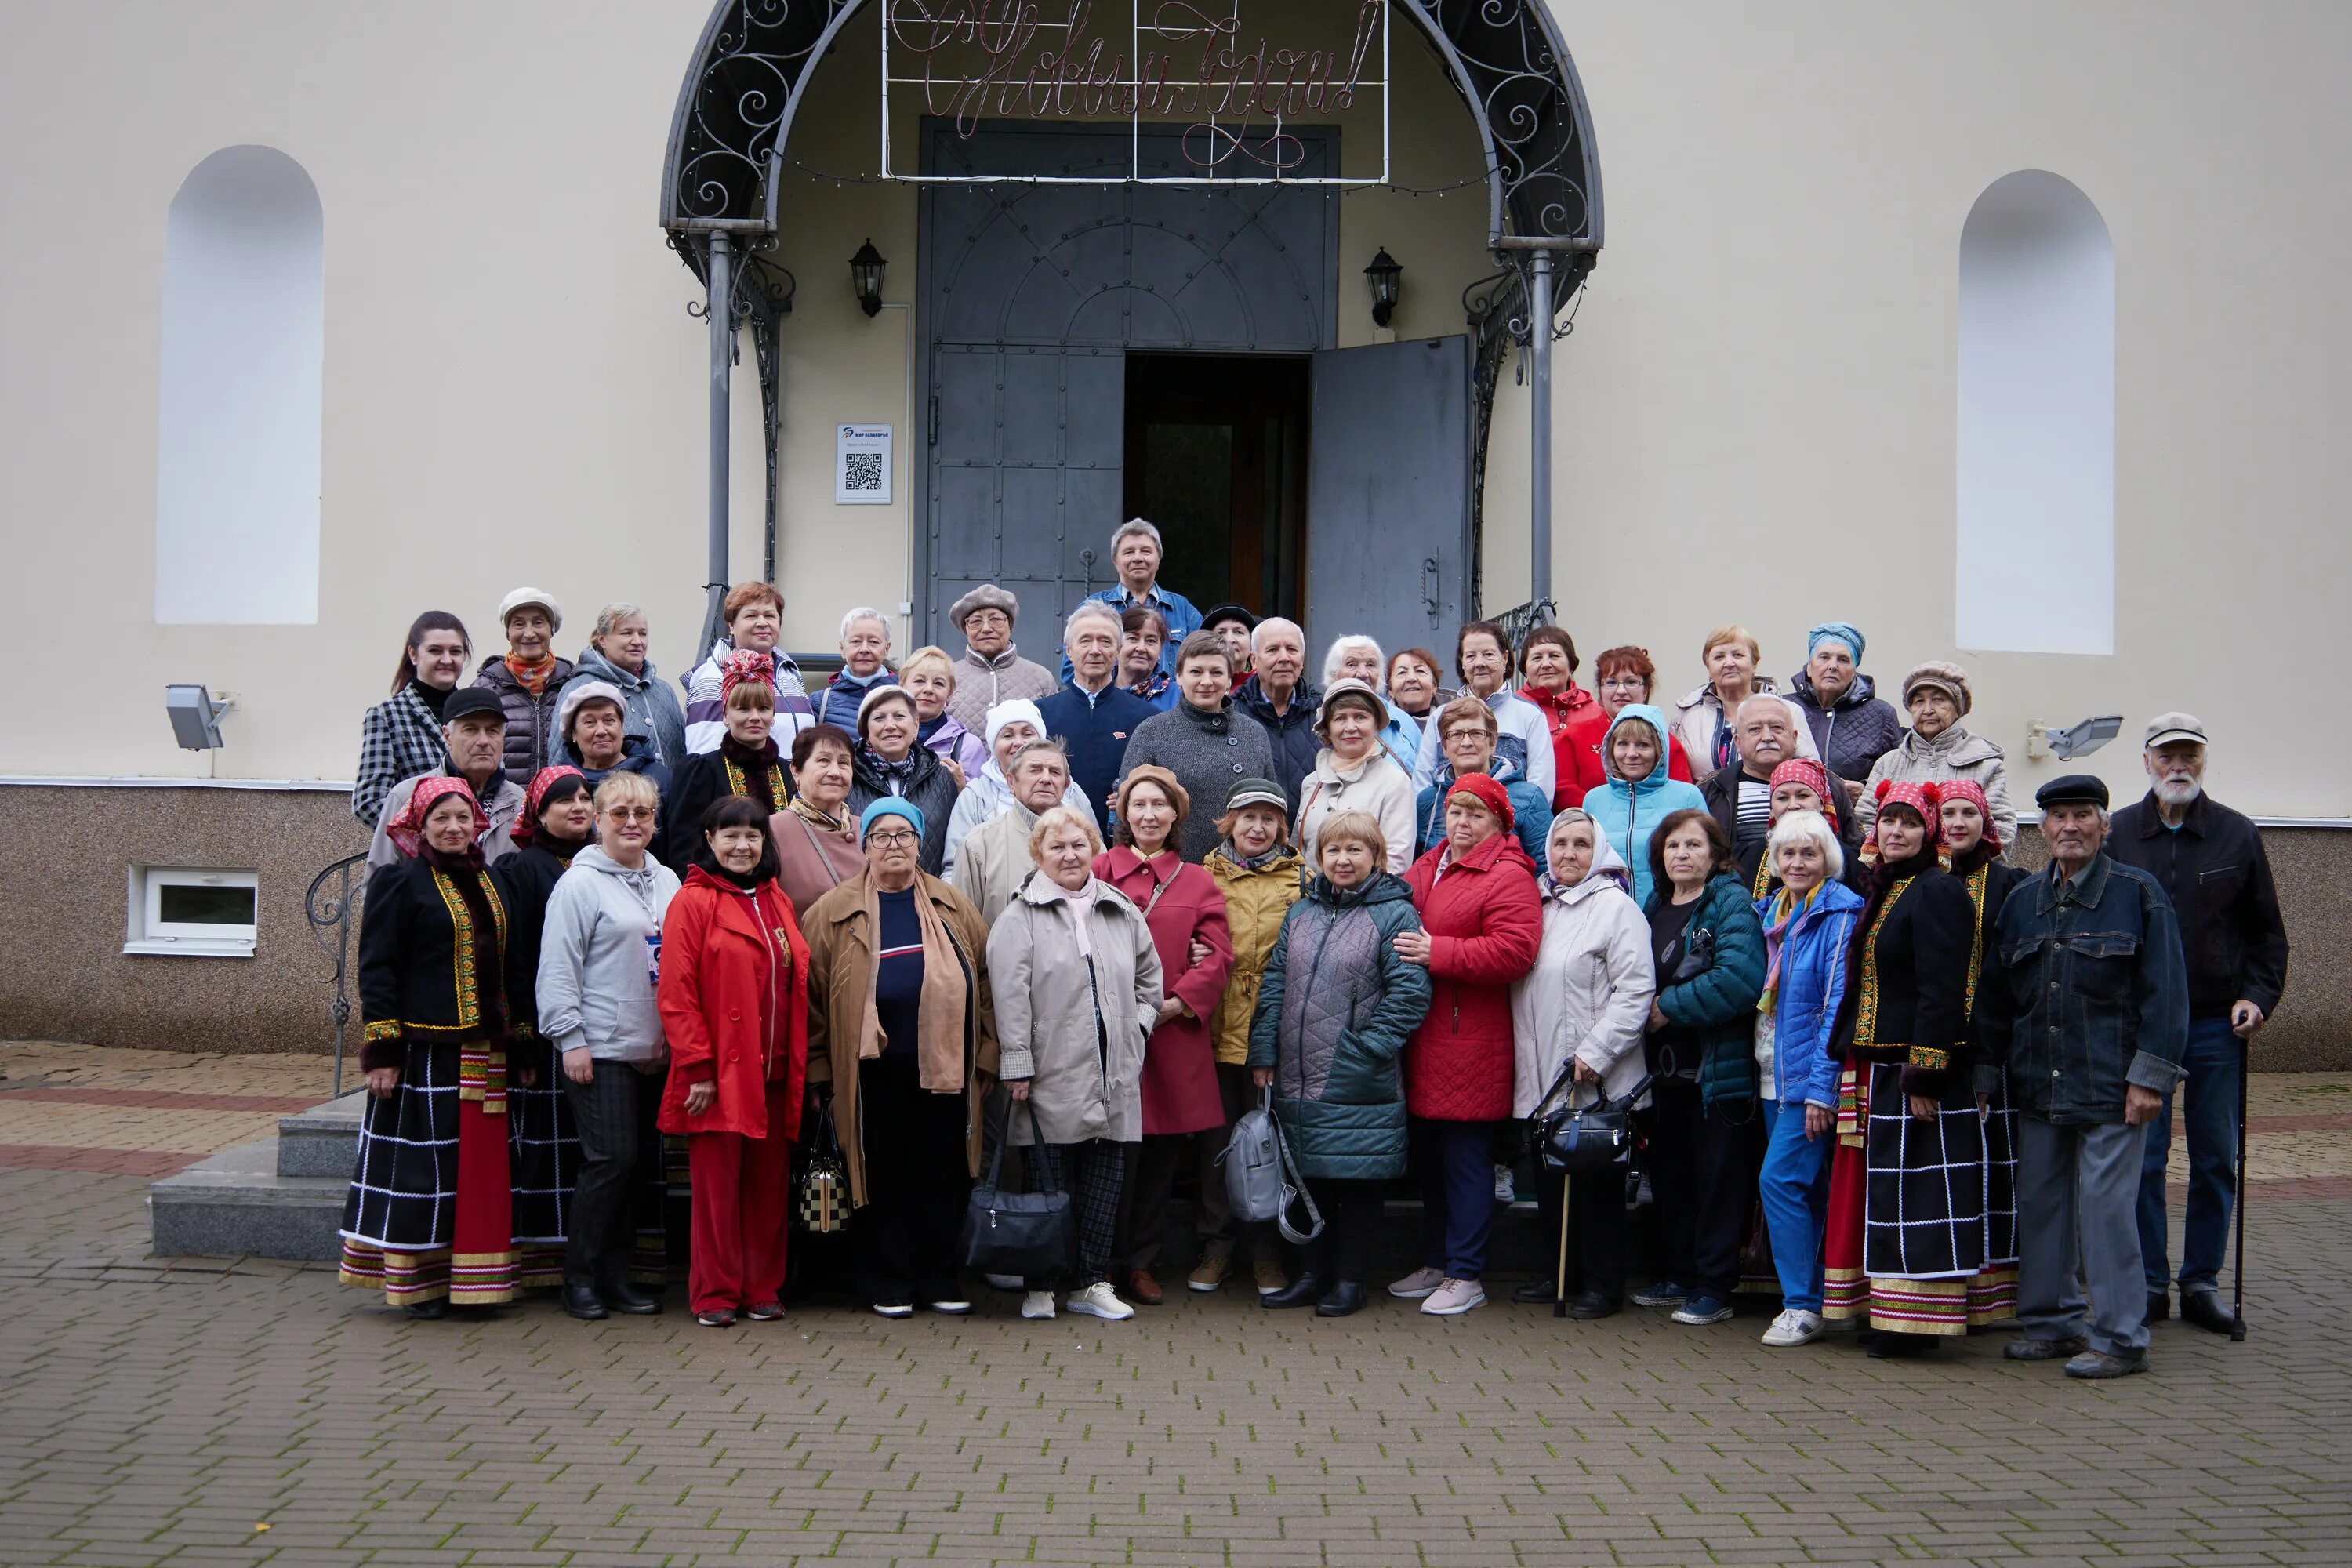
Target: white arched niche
(2036,569)
(239,413)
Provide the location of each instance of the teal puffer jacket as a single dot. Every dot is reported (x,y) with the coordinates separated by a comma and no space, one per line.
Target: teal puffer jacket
(1712,1010)
(1333,1010)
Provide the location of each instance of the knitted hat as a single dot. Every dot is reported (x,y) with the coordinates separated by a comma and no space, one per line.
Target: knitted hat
(1013,711)
(1256,792)
(531,596)
(1948,678)
(468,701)
(889,806)
(1837,632)
(882,691)
(987,597)
(1488,794)
(1150,773)
(2073,789)
(578,695)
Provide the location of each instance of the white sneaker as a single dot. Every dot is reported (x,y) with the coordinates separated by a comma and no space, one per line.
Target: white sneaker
(1455,1298)
(1004,1281)
(1098,1300)
(1038,1304)
(1507,1185)
(1418,1284)
(1794,1327)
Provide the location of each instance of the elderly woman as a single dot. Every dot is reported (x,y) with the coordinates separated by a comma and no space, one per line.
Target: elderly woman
(900,1025)
(1355,772)
(1809,919)
(1577,1023)
(1801,784)
(616,655)
(592,734)
(1851,728)
(1075,976)
(527,677)
(816,834)
(929,676)
(1359,659)
(1482,657)
(1338,1003)
(1481,921)
(1261,876)
(865,647)
(1640,793)
(1466,735)
(1621,676)
(1548,679)
(891,765)
(734,999)
(598,962)
(1207,740)
(401,736)
(1142,641)
(1910,1147)
(428,1220)
(1186,915)
(747,762)
(988,794)
(1704,718)
(1413,686)
(1972,851)
(1936,747)
(1705,1138)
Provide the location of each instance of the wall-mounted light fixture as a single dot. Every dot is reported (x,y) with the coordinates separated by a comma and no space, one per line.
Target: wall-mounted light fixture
(1384,275)
(865,277)
(2074,741)
(196,713)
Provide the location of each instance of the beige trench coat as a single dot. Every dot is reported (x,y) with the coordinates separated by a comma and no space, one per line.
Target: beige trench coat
(1047,1000)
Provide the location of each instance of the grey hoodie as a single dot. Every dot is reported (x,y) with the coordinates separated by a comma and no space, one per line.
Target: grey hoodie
(599,957)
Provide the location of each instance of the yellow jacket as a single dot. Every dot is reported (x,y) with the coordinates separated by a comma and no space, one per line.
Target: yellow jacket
(1255,903)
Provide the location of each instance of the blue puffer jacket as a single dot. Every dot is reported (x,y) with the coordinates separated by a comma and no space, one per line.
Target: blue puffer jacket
(1812,984)
(1711,1015)
(1630,810)
(1331,1031)
(1531,812)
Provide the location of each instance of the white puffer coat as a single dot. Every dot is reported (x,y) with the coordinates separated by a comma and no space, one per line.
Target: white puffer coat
(1589,993)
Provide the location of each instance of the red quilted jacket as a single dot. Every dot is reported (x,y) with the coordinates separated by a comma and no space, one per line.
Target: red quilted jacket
(1485,922)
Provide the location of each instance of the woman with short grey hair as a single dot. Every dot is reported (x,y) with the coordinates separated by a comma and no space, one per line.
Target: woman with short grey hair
(618,653)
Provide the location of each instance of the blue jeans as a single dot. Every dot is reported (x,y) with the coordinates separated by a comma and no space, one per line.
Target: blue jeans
(1795,1189)
(1454,1163)
(2211,1063)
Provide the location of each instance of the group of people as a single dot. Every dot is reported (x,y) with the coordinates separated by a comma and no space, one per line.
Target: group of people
(953,909)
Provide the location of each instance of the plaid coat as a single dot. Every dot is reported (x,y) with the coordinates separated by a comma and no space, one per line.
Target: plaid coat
(399,739)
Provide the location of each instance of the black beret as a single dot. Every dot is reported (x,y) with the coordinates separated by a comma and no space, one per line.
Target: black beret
(2073,789)
(468,700)
(1229,613)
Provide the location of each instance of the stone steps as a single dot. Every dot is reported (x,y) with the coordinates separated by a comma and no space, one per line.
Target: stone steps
(280,1197)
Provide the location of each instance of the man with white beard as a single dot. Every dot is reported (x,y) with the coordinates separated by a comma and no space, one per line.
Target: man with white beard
(2210,859)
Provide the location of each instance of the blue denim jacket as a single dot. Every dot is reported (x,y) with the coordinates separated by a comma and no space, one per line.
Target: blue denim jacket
(2090,994)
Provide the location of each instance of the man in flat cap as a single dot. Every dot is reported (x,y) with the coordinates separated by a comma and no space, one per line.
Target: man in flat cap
(2210,862)
(2087,1012)
(992,669)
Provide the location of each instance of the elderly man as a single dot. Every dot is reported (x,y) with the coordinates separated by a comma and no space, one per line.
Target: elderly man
(993,860)
(992,669)
(1091,715)
(1764,732)
(1136,554)
(474,732)
(1283,702)
(2087,1013)
(2210,863)
(864,664)
(754,615)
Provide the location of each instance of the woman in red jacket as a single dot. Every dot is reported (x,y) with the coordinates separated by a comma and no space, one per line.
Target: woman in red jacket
(1482,921)
(1548,679)
(734,972)
(1186,911)
(1619,676)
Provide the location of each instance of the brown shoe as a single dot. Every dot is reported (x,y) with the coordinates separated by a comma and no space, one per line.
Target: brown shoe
(1266,1269)
(1142,1287)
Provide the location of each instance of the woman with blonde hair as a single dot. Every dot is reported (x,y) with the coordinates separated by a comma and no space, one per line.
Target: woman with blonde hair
(929,675)
(1705,718)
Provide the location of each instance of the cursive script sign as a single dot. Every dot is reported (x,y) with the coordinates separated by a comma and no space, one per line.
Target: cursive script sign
(1163,61)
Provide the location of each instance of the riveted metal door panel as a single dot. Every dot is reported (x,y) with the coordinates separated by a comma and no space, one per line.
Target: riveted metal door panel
(1387,493)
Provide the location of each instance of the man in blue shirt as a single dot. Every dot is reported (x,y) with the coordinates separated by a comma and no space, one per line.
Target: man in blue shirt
(1135,554)
(1091,715)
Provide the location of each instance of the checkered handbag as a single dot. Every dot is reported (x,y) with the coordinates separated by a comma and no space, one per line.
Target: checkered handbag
(820,1196)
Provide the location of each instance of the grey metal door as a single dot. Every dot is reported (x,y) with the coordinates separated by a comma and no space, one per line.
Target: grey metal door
(1387,493)
(1031,296)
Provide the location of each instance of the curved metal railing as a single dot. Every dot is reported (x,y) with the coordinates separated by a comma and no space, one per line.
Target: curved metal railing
(329,906)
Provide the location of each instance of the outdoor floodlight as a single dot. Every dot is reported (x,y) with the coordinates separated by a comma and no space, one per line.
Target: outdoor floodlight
(196,716)
(2076,741)
(1385,274)
(865,277)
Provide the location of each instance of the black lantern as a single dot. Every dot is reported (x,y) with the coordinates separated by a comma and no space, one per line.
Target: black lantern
(865,277)
(1384,275)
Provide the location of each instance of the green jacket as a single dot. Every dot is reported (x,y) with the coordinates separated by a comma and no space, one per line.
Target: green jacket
(1712,1011)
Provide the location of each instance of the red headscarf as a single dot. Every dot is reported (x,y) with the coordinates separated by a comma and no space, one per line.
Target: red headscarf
(1488,793)
(1808,772)
(526,828)
(1925,797)
(407,830)
(744,664)
(1970,790)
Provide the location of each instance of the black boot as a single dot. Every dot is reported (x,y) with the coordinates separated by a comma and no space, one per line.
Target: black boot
(1345,1298)
(2159,1305)
(1595,1304)
(1303,1291)
(1889,1346)
(428,1311)
(620,1296)
(1534,1292)
(581,1302)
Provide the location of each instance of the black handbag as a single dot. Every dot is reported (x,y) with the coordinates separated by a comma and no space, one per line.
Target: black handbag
(1584,1141)
(1026,1234)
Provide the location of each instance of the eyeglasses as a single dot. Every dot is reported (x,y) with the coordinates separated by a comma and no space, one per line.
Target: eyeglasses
(890,840)
(631,813)
(1465,732)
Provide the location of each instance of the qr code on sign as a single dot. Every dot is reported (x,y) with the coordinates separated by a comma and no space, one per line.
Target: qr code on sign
(862,471)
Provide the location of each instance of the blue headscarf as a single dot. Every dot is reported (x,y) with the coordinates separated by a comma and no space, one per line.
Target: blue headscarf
(889,806)
(1834,631)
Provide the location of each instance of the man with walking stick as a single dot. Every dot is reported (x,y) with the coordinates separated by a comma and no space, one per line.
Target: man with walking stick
(2209,860)
(2087,1014)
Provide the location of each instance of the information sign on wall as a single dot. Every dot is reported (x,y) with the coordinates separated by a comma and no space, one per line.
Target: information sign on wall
(861,465)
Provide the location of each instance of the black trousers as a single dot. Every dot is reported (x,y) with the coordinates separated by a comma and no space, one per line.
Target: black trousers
(1351,1223)
(1149,1184)
(1702,1170)
(903,1241)
(620,1170)
(1093,1173)
(1596,1228)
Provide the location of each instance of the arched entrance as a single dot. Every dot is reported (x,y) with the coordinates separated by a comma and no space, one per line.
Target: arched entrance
(721,198)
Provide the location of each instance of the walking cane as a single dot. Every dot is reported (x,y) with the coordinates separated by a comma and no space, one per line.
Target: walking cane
(1560,1274)
(2238,1303)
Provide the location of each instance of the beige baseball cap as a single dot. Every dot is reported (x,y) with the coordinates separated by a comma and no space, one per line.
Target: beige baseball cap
(2166,728)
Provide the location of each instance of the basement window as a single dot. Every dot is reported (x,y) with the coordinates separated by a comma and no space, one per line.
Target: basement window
(187,912)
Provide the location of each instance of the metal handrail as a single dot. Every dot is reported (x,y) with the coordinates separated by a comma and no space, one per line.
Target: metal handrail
(334,914)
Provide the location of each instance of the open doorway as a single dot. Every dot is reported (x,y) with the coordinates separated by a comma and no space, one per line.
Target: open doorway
(1216,458)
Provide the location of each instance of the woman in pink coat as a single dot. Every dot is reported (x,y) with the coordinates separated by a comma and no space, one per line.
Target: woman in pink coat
(1182,904)
(1483,923)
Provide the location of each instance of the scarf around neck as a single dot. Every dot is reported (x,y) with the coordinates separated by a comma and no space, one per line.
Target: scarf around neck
(533,676)
(756,772)
(1785,908)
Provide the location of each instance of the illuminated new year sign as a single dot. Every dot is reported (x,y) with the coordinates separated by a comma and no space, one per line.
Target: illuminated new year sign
(1204,67)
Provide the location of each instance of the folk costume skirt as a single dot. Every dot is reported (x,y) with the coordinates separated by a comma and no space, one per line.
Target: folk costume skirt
(1909,1244)
(431,1210)
(543,1162)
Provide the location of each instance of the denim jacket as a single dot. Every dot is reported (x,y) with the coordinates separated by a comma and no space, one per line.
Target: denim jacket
(2091,994)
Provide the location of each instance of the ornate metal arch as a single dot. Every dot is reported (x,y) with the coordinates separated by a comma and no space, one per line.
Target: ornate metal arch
(756,57)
